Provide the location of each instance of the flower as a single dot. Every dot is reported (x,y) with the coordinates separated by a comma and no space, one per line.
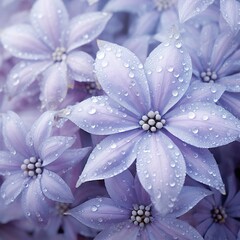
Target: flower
(49,46)
(129,212)
(141,114)
(32,162)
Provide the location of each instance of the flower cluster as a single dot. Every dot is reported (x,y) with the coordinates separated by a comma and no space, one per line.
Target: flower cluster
(120,119)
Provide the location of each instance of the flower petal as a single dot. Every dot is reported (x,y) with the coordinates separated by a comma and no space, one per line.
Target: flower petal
(99,213)
(232,82)
(121,189)
(55,85)
(23,74)
(230,11)
(34,203)
(54,187)
(49,20)
(14,134)
(13,186)
(83,29)
(169,72)
(121,75)
(21,41)
(102,116)
(9,162)
(111,156)
(202,125)
(80,66)
(187,10)
(161,170)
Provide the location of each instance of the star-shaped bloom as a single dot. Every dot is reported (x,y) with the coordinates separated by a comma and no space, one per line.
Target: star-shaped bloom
(142,116)
(49,46)
(31,164)
(129,212)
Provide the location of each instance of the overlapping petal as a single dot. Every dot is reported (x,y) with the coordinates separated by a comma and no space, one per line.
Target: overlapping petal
(55,188)
(9,162)
(161,170)
(169,72)
(100,115)
(231,82)
(111,156)
(84,28)
(202,125)
(121,75)
(50,19)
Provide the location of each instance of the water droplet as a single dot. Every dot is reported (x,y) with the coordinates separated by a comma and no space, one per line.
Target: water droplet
(205,117)
(131,74)
(100,55)
(195,130)
(175,93)
(92,111)
(191,115)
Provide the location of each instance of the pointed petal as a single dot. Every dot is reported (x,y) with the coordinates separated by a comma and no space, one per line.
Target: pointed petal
(13,186)
(53,147)
(9,162)
(102,116)
(161,170)
(112,232)
(80,66)
(34,203)
(49,19)
(14,134)
(121,75)
(41,130)
(202,125)
(99,213)
(202,92)
(54,187)
(230,11)
(232,82)
(23,74)
(83,29)
(187,10)
(55,85)
(154,232)
(188,198)
(169,72)
(111,156)
(21,41)
(121,189)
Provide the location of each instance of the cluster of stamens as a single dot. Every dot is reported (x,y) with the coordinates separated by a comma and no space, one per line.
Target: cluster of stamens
(62,207)
(218,214)
(59,54)
(93,87)
(32,167)
(152,121)
(141,215)
(209,76)
(163,4)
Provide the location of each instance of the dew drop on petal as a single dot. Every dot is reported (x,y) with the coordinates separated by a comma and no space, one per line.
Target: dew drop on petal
(92,111)
(100,55)
(175,93)
(191,115)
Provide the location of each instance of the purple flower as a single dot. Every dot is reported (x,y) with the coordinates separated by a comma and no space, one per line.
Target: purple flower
(142,116)
(49,46)
(32,162)
(129,212)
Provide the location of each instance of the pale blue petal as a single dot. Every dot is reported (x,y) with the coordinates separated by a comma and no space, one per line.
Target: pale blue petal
(169,72)
(9,162)
(161,170)
(85,28)
(189,9)
(102,116)
(121,75)
(231,82)
(111,156)
(202,125)
(54,187)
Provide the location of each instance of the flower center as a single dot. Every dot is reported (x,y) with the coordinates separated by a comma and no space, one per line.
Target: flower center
(59,54)
(62,207)
(163,4)
(152,121)
(218,214)
(141,215)
(209,76)
(93,87)
(32,167)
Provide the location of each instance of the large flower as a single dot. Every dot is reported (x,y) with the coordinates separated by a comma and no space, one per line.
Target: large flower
(31,164)
(129,212)
(49,46)
(142,115)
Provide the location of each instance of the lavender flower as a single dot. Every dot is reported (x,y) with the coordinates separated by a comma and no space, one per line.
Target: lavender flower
(142,116)
(32,162)
(49,46)
(129,212)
